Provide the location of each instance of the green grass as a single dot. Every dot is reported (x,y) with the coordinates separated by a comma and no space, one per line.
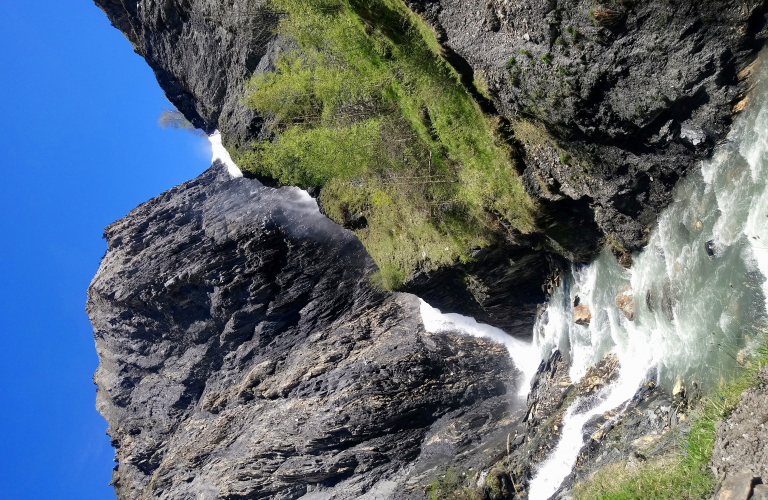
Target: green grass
(451,486)
(684,473)
(365,107)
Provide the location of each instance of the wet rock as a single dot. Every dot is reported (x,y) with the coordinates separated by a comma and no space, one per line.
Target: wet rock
(710,248)
(736,487)
(599,375)
(649,300)
(625,301)
(623,257)
(547,389)
(668,300)
(582,315)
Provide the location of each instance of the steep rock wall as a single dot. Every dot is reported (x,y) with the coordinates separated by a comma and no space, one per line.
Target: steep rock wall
(201,52)
(243,354)
(635,93)
(631,94)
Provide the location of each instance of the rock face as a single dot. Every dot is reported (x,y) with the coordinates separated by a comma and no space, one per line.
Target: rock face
(201,52)
(631,95)
(635,92)
(243,354)
(742,439)
(582,315)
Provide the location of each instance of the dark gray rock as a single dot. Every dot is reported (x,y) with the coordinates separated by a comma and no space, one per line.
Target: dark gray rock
(639,91)
(243,354)
(201,52)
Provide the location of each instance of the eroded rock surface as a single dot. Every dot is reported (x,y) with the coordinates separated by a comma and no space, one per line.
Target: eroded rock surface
(201,52)
(243,354)
(742,439)
(635,92)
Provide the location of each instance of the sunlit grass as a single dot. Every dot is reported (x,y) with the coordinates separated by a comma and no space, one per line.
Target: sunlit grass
(683,473)
(364,107)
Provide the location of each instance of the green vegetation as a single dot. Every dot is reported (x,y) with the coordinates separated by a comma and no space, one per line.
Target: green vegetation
(451,486)
(171,118)
(365,107)
(682,474)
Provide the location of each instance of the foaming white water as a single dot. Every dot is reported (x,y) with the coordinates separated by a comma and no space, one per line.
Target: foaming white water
(693,312)
(523,354)
(220,153)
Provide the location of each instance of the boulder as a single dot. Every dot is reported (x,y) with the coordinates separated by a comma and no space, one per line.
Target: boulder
(582,315)
(736,487)
(626,302)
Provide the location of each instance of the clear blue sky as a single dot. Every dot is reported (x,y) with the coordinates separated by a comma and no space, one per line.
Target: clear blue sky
(80,148)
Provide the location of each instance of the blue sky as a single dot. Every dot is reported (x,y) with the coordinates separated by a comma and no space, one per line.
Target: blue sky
(80,148)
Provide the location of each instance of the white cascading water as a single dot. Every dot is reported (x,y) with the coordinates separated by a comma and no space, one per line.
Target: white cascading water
(221,153)
(523,354)
(694,312)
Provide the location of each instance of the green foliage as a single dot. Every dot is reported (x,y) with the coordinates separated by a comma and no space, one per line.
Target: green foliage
(364,107)
(511,63)
(547,58)
(171,118)
(451,486)
(683,474)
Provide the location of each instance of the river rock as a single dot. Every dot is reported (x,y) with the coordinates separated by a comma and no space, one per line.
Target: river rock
(668,300)
(626,302)
(582,315)
(710,248)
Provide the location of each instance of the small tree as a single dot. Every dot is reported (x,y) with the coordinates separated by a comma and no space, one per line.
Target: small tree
(171,118)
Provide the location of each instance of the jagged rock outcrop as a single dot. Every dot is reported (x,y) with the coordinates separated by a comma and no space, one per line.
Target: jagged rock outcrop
(201,52)
(741,442)
(635,93)
(626,95)
(243,354)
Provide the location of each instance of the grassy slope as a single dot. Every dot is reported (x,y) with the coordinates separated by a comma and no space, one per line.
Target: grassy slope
(367,109)
(683,474)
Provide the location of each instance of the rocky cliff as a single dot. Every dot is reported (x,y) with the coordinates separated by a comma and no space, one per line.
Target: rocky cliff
(244,354)
(635,93)
(609,103)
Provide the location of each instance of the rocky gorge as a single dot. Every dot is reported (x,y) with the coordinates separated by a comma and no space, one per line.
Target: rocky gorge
(245,350)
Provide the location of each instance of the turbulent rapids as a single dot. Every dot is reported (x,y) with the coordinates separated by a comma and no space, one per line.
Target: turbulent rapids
(691,304)
(692,299)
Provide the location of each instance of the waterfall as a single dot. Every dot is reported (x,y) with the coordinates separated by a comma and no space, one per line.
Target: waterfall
(699,289)
(523,354)
(221,153)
